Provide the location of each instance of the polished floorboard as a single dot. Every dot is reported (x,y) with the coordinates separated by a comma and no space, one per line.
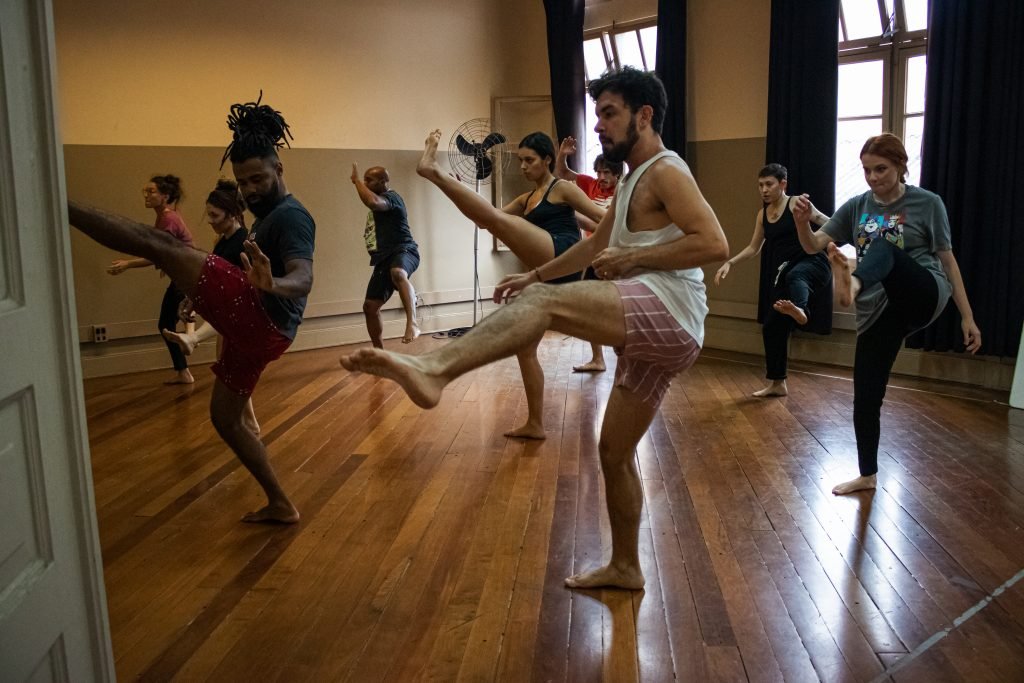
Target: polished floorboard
(432,548)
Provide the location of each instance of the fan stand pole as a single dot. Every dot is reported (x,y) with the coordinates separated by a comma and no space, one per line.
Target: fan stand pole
(476,272)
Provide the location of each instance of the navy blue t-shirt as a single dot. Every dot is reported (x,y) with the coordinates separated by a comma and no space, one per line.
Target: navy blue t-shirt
(392,227)
(287,232)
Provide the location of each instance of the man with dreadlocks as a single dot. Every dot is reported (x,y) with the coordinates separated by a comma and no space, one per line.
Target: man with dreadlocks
(257,308)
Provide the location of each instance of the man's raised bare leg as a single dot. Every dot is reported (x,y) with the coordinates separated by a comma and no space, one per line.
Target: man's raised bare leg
(226,411)
(181,263)
(533,382)
(586,310)
(626,419)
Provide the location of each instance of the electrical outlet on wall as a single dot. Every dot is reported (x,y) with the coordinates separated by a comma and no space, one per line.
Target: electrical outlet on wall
(99,333)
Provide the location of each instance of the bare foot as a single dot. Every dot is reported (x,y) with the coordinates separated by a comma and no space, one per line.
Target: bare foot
(272,515)
(776,388)
(527,431)
(787,307)
(858,484)
(186,341)
(608,577)
(424,389)
(428,166)
(412,331)
(846,289)
(182,377)
(592,366)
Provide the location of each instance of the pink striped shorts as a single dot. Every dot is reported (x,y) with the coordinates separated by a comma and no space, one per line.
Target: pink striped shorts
(656,348)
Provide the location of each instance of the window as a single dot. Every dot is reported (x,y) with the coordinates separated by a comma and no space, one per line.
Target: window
(633,44)
(882,66)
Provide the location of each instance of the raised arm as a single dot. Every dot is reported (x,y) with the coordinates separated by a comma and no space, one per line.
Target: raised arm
(972,335)
(296,281)
(571,194)
(371,199)
(756,242)
(562,169)
(811,241)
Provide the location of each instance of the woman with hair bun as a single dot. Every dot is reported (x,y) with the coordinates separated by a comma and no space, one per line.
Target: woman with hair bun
(162,194)
(225,213)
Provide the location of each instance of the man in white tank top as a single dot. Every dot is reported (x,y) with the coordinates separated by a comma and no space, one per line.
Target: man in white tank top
(650,304)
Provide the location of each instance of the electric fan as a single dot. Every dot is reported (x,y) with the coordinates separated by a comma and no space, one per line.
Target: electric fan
(475,151)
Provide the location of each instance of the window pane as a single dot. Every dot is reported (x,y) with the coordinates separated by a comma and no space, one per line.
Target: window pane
(649,38)
(860,89)
(850,137)
(593,58)
(628,46)
(917,14)
(912,139)
(861,18)
(916,69)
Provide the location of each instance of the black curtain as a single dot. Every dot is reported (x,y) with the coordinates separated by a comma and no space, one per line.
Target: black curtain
(803,86)
(972,157)
(568,77)
(671,69)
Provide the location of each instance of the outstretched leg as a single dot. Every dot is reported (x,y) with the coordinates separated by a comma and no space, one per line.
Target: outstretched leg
(625,422)
(181,263)
(586,310)
(531,244)
(533,382)
(226,411)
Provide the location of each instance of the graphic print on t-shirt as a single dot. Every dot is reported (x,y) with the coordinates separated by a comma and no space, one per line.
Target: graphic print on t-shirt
(873,226)
(370,233)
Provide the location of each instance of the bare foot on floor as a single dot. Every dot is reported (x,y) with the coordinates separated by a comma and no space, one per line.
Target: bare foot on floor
(186,341)
(182,377)
(787,307)
(428,166)
(858,484)
(422,388)
(607,577)
(842,276)
(773,389)
(592,366)
(272,515)
(527,431)
(411,332)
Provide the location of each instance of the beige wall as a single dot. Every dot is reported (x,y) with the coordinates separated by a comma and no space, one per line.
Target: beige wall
(357,83)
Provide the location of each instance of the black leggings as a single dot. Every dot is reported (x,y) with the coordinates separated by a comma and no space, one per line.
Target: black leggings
(913,296)
(169,321)
(800,281)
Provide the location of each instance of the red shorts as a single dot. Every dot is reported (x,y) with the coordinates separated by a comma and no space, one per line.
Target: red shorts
(225,298)
(657,347)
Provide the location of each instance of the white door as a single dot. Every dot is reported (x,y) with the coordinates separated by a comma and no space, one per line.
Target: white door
(53,620)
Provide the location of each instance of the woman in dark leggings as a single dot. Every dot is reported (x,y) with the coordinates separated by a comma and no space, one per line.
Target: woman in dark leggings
(906,273)
(537,226)
(795,288)
(162,194)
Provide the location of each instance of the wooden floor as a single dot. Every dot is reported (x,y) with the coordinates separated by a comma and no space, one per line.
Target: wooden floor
(432,548)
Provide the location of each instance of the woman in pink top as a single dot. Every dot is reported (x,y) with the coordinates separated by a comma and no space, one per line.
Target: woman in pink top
(162,194)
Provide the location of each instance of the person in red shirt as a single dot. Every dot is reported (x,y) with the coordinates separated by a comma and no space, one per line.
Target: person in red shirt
(599,188)
(162,194)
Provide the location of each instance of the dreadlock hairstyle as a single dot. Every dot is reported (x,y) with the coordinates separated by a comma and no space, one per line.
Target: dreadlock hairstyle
(257,130)
(226,198)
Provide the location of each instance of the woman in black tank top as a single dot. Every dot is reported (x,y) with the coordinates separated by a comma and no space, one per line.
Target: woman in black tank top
(795,288)
(537,226)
